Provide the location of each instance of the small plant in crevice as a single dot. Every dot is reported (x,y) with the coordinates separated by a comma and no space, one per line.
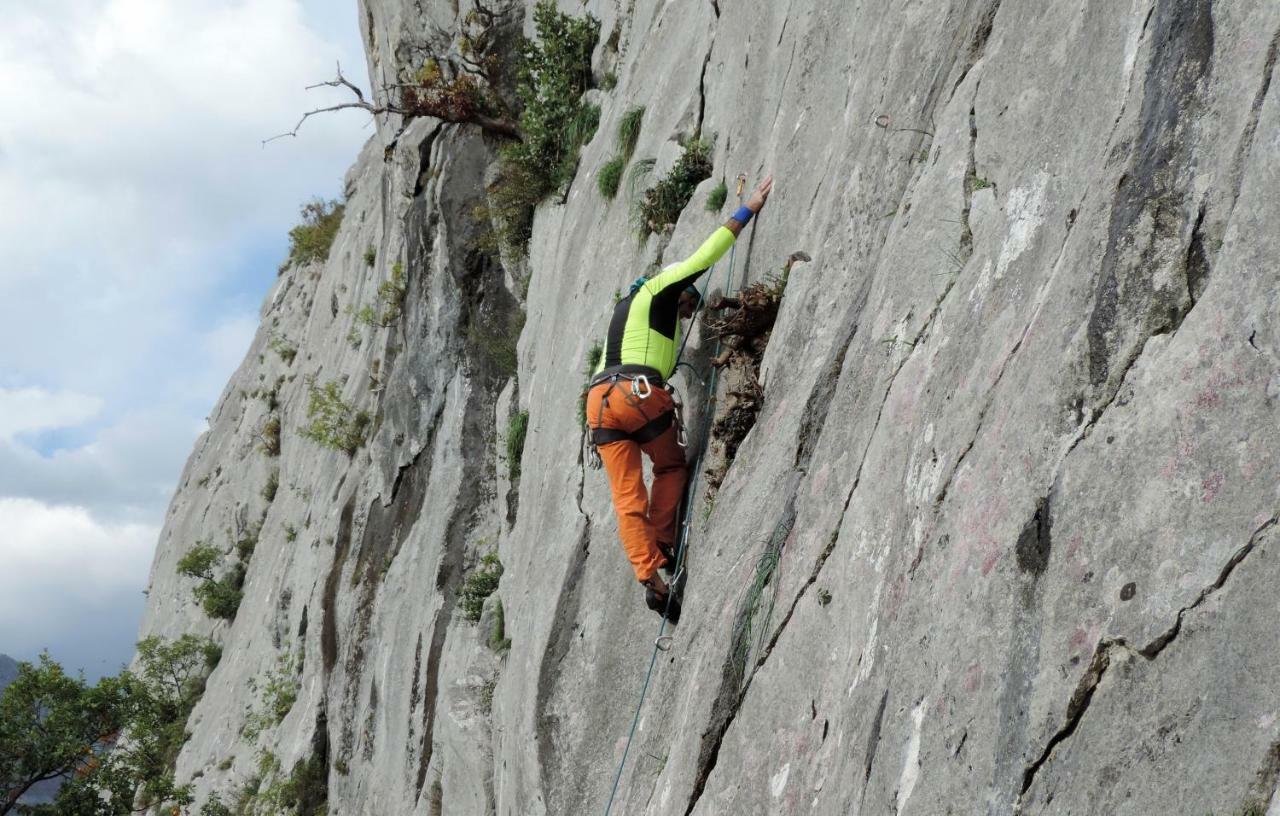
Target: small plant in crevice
(609,82)
(278,692)
(390,300)
(248,542)
(660,206)
(717,197)
(498,640)
(334,423)
(370,256)
(290,533)
(272,486)
(311,240)
(746,625)
(479,584)
(979,183)
(486,695)
(219,595)
(301,792)
(610,177)
(281,346)
(270,436)
(517,429)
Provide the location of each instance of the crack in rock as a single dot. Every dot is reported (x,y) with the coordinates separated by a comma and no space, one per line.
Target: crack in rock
(1084,692)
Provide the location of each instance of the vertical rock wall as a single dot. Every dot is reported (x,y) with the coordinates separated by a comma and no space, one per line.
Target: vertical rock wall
(1017,461)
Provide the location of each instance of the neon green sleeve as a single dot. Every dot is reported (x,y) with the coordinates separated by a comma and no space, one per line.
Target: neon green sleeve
(712,250)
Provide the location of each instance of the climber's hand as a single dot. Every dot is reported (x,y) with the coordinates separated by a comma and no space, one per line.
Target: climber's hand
(760,194)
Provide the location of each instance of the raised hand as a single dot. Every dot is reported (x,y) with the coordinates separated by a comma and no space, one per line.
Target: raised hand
(760,194)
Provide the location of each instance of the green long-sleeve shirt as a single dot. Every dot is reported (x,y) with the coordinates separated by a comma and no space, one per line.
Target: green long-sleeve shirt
(645,329)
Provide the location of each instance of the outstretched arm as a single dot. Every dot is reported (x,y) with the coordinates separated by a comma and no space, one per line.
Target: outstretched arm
(716,246)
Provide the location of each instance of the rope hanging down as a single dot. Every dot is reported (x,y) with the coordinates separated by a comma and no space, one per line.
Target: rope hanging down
(663,641)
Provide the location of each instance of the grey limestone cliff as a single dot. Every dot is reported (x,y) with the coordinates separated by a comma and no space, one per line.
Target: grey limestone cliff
(1018,459)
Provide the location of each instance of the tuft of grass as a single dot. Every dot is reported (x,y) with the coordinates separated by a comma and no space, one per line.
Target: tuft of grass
(610,177)
(334,422)
(981,183)
(717,196)
(272,486)
(629,132)
(498,640)
(479,584)
(370,255)
(662,203)
(311,240)
(588,368)
(517,428)
(610,81)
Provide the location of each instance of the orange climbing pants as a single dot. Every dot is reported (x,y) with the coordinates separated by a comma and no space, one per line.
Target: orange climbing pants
(646,520)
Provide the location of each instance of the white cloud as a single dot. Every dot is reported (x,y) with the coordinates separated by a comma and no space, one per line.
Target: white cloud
(57,564)
(25,410)
(141,222)
(133,180)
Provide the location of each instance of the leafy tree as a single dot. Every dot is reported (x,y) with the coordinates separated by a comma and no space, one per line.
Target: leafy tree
(52,726)
(113,744)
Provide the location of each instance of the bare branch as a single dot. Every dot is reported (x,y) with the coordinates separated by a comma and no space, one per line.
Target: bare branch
(374,110)
(361,103)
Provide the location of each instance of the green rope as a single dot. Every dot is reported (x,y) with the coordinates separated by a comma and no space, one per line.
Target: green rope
(684,537)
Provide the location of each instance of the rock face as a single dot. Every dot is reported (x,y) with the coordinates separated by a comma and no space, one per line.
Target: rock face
(1003,538)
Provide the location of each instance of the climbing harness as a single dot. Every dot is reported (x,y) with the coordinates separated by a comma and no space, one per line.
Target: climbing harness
(663,642)
(642,386)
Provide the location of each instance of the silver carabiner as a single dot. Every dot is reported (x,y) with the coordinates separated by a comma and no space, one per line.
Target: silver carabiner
(636,389)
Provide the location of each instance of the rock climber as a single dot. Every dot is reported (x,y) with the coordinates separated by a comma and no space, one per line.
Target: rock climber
(630,408)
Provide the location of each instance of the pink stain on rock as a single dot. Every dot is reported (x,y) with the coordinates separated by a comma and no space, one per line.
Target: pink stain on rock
(1210,485)
(973,678)
(989,562)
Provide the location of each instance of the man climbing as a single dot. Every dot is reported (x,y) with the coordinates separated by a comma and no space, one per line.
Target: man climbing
(630,408)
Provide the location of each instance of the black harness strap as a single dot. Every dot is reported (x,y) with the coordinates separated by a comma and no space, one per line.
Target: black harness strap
(647,432)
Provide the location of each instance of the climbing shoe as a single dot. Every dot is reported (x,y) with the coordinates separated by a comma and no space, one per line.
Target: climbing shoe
(669,553)
(658,603)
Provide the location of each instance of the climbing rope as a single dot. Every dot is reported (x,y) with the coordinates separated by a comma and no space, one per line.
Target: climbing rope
(663,641)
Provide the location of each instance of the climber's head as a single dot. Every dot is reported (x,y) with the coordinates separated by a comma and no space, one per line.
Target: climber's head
(689,300)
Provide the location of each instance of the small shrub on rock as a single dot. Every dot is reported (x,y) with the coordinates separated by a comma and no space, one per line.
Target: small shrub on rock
(480,584)
(661,205)
(311,240)
(334,422)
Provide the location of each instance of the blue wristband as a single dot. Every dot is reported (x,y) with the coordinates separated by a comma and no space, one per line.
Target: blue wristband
(743,216)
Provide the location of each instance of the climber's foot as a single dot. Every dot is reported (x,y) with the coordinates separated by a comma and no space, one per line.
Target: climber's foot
(659,603)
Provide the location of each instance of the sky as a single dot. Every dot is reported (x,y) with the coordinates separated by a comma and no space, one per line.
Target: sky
(142,221)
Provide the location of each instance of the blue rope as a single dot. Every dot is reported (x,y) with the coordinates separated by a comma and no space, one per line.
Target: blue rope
(684,537)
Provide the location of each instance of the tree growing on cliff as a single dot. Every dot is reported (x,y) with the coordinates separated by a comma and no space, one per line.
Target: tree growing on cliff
(459,85)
